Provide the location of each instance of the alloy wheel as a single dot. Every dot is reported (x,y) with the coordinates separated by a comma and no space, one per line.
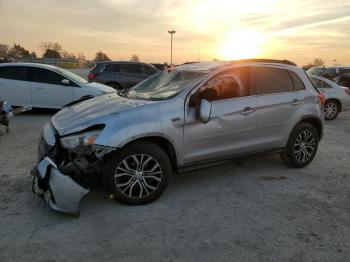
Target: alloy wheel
(330,110)
(304,146)
(138,176)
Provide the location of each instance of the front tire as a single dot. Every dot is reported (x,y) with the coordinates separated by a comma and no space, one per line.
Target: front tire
(331,109)
(138,174)
(302,146)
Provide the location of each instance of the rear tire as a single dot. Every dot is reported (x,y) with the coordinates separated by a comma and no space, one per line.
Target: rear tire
(138,174)
(331,109)
(302,146)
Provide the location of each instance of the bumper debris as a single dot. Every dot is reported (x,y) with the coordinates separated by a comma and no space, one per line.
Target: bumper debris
(60,191)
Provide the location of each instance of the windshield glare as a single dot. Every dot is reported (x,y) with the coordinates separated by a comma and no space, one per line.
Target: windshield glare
(72,76)
(164,84)
(316,70)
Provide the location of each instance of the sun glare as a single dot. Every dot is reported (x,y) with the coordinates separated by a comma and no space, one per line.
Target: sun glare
(240,44)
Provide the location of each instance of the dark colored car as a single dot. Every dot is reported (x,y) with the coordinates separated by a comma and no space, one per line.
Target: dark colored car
(343,80)
(335,71)
(316,70)
(120,74)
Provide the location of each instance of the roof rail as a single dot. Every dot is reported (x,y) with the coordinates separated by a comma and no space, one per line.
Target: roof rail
(286,62)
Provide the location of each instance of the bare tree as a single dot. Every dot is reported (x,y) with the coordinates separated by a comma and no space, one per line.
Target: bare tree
(81,57)
(316,62)
(17,51)
(67,55)
(135,58)
(55,46)
(100,56)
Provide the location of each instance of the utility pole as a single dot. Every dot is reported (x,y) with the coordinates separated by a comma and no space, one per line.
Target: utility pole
(171,32)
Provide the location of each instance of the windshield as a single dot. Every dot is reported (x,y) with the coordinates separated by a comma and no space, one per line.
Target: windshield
(316,70)
(164,84)
(72,76)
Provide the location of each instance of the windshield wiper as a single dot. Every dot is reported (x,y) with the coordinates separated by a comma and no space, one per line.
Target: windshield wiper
(123,93)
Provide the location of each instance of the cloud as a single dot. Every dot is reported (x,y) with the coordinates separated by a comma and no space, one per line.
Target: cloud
(296,29)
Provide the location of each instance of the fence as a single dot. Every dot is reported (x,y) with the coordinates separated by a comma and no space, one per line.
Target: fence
(65,63)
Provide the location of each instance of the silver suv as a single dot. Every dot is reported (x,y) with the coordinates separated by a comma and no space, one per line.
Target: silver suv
(179,119)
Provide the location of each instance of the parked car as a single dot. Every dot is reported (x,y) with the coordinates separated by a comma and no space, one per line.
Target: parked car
(316,70)
(342,80)
(186,117)
(44,86)
(120,74)
(337,98)
(334,71)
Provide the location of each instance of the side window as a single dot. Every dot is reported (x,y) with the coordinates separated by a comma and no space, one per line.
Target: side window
(344,81)
(130,68)
(317,83)
(147,70)
(41,75)
(268,80)
(320,83)
(344,70)
(297,83)
(14,73)
(329,72)
(228,85)
(112,68)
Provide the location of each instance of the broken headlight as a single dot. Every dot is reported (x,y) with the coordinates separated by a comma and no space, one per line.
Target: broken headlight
(78,140)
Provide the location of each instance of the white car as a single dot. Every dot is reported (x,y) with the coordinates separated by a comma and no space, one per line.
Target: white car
(337,98)
(44,86)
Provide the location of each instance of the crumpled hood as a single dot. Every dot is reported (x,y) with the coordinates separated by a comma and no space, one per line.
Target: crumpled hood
(80,116)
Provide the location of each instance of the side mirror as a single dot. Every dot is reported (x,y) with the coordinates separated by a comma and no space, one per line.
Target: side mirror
(65,82)
(204,111)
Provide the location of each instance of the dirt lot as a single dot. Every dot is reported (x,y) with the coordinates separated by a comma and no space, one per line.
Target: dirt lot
(233,212)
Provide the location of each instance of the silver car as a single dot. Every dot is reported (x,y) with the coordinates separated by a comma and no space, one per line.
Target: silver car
(337,98)
(186,117)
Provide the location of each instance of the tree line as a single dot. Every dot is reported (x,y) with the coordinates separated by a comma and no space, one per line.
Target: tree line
(52,50)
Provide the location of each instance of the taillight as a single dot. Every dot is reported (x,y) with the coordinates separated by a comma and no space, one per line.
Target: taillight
(322,98)
(91,76)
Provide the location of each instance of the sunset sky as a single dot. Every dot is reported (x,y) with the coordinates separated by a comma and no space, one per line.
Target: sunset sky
(299,30)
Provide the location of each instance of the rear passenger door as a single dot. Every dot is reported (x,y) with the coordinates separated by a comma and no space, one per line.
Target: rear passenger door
(14,85)
(280,96)
(48,90)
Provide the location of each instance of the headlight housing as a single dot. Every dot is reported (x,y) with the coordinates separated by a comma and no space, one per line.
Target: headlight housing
(78,140)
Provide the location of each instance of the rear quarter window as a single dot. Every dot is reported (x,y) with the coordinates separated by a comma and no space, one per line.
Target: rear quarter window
(297,83)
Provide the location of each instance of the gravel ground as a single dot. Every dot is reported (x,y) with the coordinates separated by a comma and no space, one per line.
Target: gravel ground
(232,212)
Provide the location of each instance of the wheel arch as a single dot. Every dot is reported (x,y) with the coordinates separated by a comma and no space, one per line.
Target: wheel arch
(335,100)
(315,122)
(163,143)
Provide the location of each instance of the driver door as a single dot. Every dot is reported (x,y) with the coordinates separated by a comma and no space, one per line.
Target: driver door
(232,127)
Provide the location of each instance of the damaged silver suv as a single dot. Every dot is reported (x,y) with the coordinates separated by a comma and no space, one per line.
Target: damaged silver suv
(178,119)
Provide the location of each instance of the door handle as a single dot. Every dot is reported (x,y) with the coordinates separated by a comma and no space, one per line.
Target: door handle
(296,102)
(40,88)
(248,110)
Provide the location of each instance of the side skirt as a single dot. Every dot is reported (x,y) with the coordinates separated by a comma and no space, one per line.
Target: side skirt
(223,160)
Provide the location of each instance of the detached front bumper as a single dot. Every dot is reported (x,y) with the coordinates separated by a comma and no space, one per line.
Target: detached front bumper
(60,191)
